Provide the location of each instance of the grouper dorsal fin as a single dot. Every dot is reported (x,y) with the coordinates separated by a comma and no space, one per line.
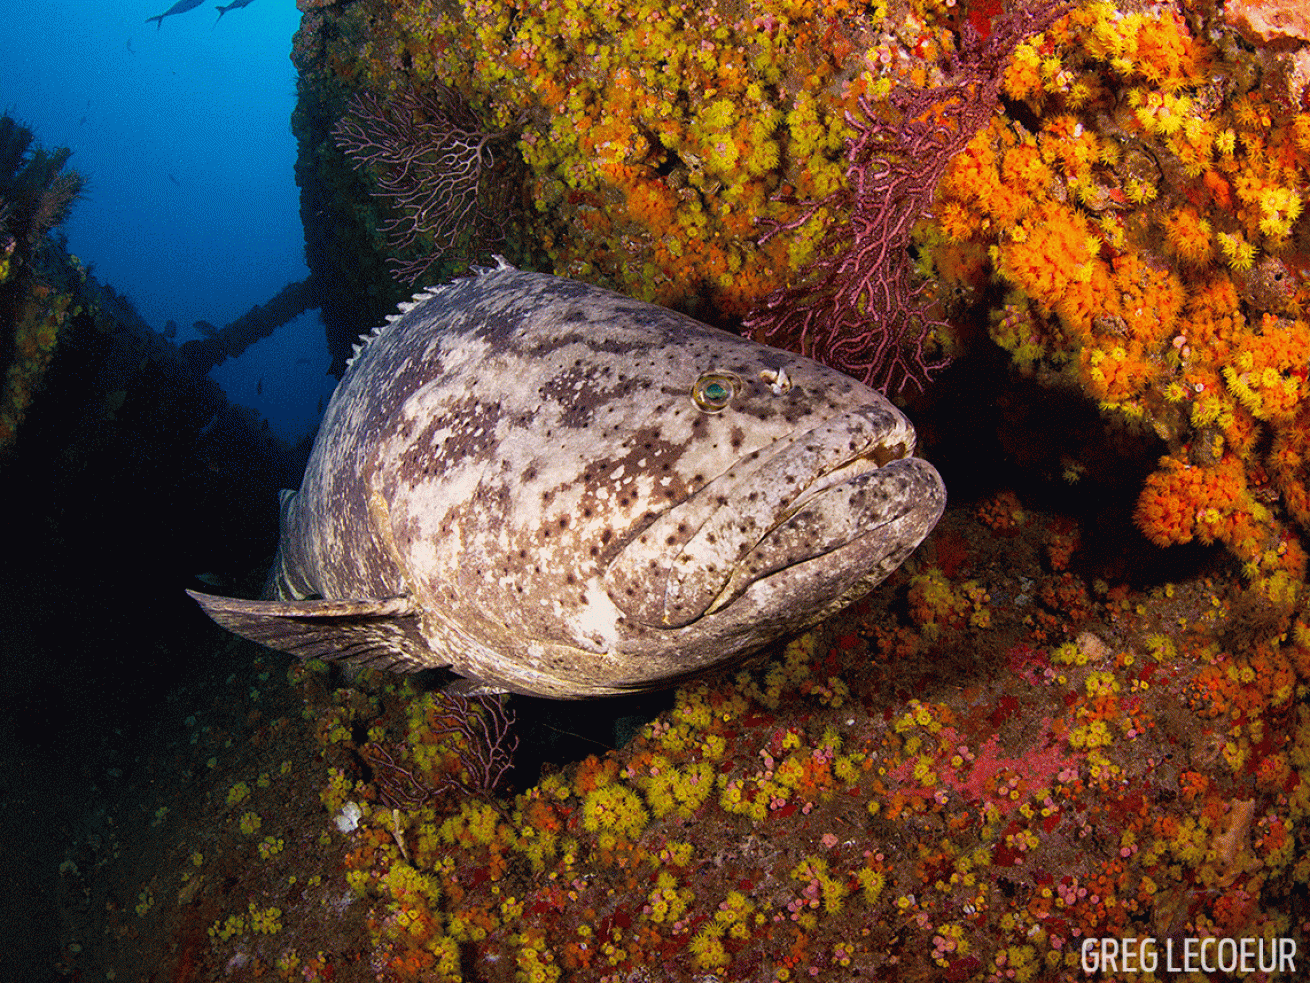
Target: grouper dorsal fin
(379,634)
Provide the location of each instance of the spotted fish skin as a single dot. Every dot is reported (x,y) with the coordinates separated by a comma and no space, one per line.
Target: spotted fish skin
(560,491)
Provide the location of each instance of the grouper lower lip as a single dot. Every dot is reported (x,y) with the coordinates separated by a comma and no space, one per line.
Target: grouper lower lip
(869,506)
(698,555)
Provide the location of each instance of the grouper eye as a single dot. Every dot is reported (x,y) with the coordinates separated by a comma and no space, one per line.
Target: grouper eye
(714,390)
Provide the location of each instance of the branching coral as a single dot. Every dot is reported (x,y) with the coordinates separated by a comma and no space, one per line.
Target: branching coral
(863,307)
(432,160)
(483,732)
(35,190)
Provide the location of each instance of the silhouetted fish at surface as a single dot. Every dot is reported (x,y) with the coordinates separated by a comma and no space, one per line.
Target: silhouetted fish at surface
(557,490)
(181,7)
(237,5)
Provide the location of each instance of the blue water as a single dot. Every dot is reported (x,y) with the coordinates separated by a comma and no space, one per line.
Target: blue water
(184,134)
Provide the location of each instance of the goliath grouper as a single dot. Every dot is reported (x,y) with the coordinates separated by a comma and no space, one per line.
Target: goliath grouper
(556,490)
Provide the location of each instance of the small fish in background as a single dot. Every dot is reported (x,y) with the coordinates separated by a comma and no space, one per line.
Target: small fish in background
(237,5)
(559,491)
(175,180)
(181,7)
(259,386)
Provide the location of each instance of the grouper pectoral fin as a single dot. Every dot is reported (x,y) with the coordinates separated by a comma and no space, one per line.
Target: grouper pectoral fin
(380,634)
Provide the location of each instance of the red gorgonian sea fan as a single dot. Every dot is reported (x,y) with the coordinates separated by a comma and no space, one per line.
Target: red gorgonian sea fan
(486,753)
(860,306)
(431,158)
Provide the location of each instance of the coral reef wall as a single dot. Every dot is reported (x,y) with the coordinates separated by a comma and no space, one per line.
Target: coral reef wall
(651,139)
(1140,207)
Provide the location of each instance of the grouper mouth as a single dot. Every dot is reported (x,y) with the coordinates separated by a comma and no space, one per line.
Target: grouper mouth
(805,496)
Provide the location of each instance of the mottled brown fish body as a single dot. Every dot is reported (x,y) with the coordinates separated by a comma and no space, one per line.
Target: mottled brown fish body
(557,490)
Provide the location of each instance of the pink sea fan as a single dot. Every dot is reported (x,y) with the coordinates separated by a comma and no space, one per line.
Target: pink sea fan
(860,306)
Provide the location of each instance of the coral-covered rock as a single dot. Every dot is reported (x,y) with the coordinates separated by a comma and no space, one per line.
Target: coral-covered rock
(1270,23)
